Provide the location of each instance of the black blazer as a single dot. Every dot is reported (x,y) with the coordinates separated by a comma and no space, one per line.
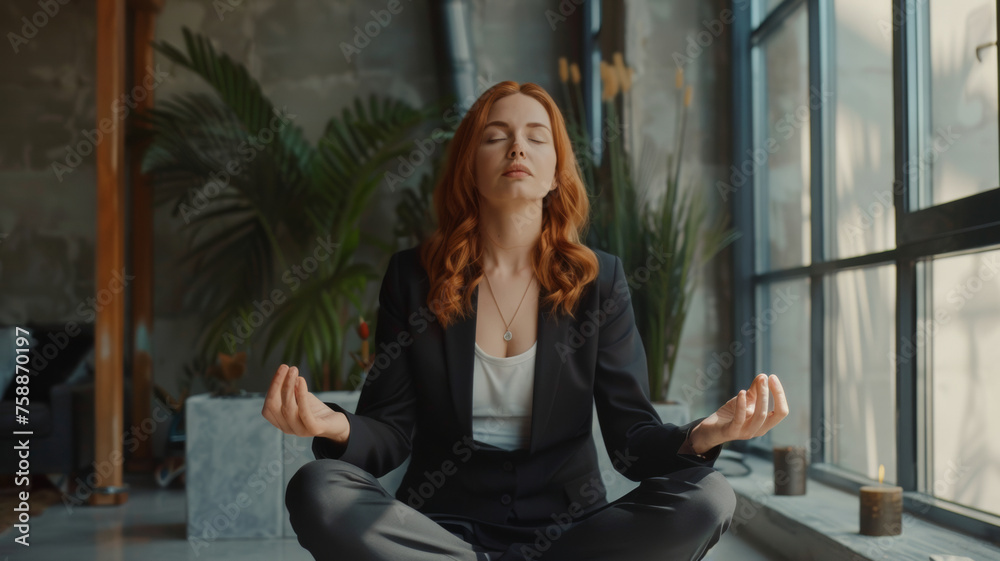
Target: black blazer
(417,399)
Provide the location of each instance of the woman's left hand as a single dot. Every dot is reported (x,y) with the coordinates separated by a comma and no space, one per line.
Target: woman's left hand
(743,417)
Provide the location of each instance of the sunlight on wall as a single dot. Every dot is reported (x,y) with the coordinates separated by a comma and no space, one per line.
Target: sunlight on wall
(861,372)
(782,333)
(863,172)
(965,451)
(962,138)
(784,178)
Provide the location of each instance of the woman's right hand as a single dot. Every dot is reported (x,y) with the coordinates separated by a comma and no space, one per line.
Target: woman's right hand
(291,407)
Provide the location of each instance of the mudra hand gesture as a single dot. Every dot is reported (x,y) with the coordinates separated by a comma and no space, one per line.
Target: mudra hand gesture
(743,417)
(291,407)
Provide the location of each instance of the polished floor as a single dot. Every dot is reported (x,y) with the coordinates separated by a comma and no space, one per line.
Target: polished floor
(151,527)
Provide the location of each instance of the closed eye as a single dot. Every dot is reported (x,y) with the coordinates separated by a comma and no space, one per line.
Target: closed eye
(492,140)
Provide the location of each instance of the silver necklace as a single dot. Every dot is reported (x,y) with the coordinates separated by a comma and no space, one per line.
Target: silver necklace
(507,336)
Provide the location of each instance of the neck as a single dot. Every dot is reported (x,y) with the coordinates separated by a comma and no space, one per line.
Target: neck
(509,237)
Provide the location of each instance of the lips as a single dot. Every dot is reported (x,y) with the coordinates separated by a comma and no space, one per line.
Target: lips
(516,170)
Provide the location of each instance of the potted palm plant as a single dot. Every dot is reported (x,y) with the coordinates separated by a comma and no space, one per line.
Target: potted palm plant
(678,228)
(274,221)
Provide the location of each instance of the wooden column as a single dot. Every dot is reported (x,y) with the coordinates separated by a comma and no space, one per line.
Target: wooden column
(109,327)
(143,18)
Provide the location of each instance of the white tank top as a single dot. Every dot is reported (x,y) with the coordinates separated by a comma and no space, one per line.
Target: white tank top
(502,389)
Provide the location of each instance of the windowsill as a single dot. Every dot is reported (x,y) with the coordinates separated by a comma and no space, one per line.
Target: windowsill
(823,525)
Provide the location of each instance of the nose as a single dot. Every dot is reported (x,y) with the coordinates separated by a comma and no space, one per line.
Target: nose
(516,150)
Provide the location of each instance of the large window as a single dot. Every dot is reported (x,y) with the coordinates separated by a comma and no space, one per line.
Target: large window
(782,324)
(860,133)
(958,57)
(961,338)
(875,221)
(861,385)
(782,129)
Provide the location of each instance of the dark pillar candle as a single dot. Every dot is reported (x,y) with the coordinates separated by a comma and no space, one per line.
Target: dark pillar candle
(790,469)
(881,510)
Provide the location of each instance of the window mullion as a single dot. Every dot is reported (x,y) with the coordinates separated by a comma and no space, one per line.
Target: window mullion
(905,87)
(819,174)
(743,201)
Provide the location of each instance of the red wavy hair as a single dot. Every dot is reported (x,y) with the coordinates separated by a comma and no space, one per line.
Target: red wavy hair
(452,254)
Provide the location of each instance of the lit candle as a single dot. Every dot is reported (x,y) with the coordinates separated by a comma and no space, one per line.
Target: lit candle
(881,508)
(790,470)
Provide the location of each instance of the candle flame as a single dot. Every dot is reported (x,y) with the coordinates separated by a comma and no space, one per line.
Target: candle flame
(881,473)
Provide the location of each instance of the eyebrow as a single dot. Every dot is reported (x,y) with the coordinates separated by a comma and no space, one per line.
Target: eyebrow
(504,125)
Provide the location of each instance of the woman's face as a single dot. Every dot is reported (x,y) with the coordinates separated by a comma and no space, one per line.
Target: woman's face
(517,133)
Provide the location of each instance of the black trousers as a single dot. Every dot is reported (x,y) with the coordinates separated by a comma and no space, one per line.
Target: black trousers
(341,512)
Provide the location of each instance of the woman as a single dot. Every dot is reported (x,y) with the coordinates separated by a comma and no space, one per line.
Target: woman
(491,398)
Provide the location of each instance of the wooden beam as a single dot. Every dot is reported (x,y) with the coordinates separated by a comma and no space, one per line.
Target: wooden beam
(109,327)
(143,16)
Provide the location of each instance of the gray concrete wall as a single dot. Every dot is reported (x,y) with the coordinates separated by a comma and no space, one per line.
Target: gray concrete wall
(46,221)
(295,49)
(660,36)
(304,54)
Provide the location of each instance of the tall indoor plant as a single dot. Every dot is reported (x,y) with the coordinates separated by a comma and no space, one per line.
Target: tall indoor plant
(274,220)
(678,228)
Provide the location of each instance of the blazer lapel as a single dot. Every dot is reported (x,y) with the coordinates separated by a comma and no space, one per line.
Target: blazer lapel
(459,348)
(548,370)
(459,351)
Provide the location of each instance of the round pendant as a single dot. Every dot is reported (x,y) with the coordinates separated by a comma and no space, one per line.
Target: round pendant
(507,336)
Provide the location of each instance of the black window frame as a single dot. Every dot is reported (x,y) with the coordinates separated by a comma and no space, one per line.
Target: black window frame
(958,226)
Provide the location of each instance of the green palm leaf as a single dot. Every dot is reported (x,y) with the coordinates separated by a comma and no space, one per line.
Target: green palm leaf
(266,217)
